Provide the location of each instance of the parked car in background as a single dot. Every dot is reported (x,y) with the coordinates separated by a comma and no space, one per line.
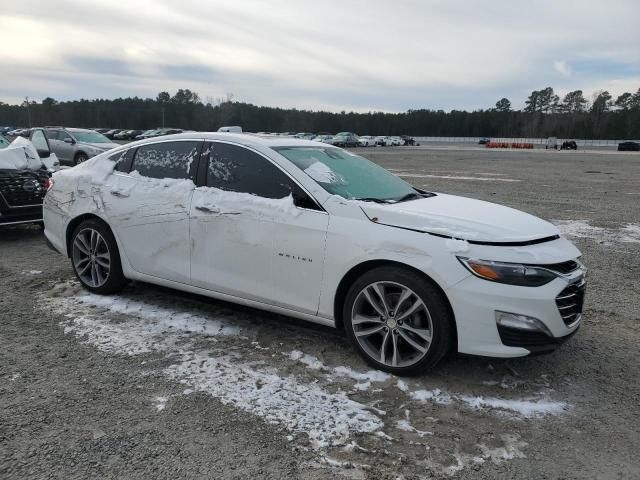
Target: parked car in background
(101,130)
(304,136)
(111,133)
(629,147)
(569,145)
(367,141)
(377,256)
(76,145)
(324,138)
(147,134)
(395,141)
(25,171)
(345,139)
(484,141)
(381,141)
(552,143)
(170,131)
(127,134)
(408,141)
(6,130)
(20,132)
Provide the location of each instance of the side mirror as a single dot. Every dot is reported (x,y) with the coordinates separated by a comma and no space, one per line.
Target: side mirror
(43,153)
(69,140)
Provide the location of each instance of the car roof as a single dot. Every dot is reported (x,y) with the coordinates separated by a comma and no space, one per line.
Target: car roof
(247,139)
(78,129)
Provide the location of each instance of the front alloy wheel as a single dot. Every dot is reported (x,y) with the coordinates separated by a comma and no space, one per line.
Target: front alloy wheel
(398,320)
(392,324)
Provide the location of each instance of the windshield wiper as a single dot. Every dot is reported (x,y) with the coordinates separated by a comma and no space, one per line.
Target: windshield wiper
(372,199)
(409,196)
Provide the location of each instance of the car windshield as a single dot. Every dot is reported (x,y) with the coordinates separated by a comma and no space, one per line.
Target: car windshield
(90,137)
(346,174)
(4,142)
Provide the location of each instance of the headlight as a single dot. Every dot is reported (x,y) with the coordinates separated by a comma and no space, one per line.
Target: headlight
(509,273)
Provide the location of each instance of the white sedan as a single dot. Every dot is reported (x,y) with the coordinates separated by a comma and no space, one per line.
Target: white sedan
(318,233)
(367,141)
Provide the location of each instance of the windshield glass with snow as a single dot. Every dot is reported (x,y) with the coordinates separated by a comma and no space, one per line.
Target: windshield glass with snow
(90,137)
(343,173)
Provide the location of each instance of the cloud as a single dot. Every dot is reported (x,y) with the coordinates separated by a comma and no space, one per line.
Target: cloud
(562,68)
(362,55)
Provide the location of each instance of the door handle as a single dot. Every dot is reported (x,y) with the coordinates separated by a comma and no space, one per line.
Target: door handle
(212,209)
(119,194)
(202,208)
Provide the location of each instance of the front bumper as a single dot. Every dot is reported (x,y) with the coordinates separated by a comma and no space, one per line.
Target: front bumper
(475,302)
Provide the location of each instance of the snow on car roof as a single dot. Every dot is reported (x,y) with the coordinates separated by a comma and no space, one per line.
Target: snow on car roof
(248,139)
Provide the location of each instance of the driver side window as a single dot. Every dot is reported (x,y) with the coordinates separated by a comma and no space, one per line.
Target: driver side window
(238,169)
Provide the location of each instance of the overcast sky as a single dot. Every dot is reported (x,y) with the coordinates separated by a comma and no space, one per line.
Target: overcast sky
(331,55)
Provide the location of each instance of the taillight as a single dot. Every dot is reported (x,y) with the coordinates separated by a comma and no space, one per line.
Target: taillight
(48,184)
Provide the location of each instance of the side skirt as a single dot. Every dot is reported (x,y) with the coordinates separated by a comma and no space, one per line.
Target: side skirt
(230,298)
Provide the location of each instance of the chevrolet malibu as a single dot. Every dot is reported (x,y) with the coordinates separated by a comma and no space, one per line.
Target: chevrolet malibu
(315,232)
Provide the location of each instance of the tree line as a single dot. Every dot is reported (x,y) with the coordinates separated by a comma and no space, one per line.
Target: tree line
(543,115)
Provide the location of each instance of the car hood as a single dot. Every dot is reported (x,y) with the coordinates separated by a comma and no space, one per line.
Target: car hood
(101,146)
(462,218)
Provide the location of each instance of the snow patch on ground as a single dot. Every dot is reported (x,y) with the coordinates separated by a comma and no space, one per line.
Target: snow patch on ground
(405,424)
(523,408)
(160,403)
(133,338)
(402,385)
(629,233)
(364,378)
(328,418)
(32,272)
(436,395)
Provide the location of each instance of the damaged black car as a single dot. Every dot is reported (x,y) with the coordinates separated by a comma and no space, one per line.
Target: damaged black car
(25,172)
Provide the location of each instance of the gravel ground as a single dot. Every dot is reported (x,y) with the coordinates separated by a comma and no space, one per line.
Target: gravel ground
(159,384)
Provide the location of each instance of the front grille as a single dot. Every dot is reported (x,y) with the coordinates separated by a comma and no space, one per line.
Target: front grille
(570,302)
(22,188)
(563,267)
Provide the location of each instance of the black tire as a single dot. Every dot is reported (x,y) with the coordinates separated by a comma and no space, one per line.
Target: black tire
(80,157)
(442,321)
(115,280)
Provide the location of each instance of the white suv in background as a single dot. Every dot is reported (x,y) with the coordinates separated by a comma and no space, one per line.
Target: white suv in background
(316,232)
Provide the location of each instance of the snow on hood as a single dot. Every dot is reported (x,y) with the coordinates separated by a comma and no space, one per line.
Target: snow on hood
(462,218)
(20,155)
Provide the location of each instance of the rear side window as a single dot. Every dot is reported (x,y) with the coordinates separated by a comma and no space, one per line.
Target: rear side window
(123,160)
(166,160)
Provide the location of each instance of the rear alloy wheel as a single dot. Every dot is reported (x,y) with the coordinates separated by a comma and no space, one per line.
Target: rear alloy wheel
(95,258)
(397,321)
(80,158)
